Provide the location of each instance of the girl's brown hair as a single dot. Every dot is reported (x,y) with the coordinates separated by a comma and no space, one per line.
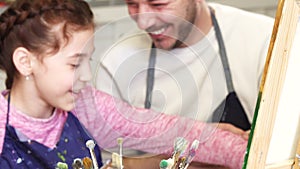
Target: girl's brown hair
(30,24)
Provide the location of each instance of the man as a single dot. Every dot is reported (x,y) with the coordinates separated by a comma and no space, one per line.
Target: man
(197,59)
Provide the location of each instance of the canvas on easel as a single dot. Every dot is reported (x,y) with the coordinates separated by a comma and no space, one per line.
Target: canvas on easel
(271,87)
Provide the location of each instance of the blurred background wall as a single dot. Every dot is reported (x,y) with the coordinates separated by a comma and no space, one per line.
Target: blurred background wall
(110,11)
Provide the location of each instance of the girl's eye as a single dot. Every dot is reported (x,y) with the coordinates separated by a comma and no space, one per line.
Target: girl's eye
(75,65)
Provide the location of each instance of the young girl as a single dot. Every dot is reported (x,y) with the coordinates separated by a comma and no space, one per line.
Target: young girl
(48,110)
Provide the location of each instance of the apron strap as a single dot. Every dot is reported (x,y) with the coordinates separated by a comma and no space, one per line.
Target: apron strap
(8,109)
(222,51)
(150,77)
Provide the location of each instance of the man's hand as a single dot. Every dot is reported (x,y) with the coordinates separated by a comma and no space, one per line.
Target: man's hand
(233,129)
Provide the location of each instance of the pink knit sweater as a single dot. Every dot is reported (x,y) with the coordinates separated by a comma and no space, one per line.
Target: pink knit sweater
(107,119)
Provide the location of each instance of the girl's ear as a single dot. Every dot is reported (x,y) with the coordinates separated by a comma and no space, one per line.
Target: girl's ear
(22,61)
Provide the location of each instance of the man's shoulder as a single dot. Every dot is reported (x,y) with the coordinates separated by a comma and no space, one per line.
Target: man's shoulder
(238,22)
(234,13)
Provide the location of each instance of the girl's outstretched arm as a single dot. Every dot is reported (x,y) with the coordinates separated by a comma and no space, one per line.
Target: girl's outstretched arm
(108,118)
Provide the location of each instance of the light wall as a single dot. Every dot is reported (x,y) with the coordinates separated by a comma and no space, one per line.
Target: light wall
(267,7)
(109,11)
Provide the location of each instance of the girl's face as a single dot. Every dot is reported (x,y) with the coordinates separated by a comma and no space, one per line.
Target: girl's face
(59,78)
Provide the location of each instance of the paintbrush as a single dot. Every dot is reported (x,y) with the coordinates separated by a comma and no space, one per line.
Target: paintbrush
(90,144)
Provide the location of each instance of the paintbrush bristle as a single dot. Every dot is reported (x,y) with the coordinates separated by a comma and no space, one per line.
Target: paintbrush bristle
(87,163)
(120,141)
(90,144)
(195,144)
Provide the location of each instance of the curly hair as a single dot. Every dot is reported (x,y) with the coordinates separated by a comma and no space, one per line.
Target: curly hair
(31,24)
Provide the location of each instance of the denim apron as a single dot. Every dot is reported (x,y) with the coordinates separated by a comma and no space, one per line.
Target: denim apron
(30,154)
(230,110)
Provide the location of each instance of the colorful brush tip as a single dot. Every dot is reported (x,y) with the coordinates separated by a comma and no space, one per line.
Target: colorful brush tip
(77,164)
(195,144)
(90,144)
(182,162)
(163,164)
(61,165)
(166,164)
(120,141)
(87,163)
(180,144)
(192,151)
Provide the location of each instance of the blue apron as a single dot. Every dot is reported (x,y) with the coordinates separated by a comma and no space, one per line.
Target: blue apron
(33,155)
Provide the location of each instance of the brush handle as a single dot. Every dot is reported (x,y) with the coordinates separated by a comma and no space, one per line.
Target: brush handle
(90,144)
(94,160)
(120,143)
